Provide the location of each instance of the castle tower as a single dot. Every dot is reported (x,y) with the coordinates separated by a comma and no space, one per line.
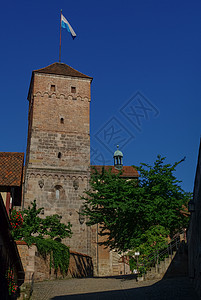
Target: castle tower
(58,146)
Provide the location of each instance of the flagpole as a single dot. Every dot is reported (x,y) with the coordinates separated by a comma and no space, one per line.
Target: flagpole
(60,39)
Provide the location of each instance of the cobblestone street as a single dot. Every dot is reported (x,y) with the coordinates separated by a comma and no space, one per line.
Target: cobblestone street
(112,288)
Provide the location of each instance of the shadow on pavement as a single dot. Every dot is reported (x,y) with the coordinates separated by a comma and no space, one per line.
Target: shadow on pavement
(122,277)
(175,285)
(166,289)
(179,265)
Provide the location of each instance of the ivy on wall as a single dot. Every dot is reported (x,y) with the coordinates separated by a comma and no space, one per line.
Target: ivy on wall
(47,233)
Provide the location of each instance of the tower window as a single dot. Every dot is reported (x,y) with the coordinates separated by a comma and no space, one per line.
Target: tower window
(59,155)
(52,88)
(57,194)
(62,120)
(73,89)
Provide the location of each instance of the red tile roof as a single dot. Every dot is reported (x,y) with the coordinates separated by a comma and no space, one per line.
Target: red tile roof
(11,168)
(128,171)
(61,69)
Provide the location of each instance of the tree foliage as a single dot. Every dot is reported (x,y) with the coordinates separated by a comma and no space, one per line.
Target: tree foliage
(46,233)
(126,209)
(153,239)
(34,226)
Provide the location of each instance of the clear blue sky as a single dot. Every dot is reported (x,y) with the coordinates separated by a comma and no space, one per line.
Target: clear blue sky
(151,47)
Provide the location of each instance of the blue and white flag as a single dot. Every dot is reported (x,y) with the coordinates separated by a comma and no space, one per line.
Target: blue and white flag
(66,24)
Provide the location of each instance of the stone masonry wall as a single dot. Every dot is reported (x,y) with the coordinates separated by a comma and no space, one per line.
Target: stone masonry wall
(58,151)
(106,262)
(45,147)
(59,122)
(59,193)
(27,255)
(80,265)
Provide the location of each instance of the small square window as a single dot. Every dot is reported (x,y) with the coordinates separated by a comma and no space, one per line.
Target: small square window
(73,89)
(53,88)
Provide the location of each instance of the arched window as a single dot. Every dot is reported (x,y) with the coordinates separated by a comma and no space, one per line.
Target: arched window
(59,192)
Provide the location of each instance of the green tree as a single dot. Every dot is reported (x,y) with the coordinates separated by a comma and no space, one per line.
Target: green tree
(152,240)
(34,226)
(165,199)
(126,209)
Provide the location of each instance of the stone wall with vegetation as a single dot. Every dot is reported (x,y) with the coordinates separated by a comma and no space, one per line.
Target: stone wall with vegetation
(38,268)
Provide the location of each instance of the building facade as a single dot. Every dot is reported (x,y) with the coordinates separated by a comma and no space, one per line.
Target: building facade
(57,168)
(194,231)
(58,147)
(109,262)
(11,178)
(9,255)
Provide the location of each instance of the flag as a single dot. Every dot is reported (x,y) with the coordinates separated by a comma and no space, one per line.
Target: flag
(66,24)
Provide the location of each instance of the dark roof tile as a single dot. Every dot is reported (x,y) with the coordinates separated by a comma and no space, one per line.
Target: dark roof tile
(11,168)
(61,69)
(128,171)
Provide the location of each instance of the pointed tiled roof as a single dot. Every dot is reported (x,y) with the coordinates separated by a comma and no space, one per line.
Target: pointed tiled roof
(61,69)
(11,167)
(127,171)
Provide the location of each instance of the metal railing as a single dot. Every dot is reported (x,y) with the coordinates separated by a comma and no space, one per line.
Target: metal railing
(154,259)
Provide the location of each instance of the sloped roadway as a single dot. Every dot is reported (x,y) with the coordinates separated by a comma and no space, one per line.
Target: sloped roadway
(175,285)
(124,288)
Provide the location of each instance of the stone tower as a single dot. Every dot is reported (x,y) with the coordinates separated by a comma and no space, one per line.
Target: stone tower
(58,146)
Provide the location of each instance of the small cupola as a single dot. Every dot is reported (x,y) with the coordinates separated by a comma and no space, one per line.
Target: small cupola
(118,159)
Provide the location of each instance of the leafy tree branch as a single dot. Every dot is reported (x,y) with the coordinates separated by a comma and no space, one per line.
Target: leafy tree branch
(125,209)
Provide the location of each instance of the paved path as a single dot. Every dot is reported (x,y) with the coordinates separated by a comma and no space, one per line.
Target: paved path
(114,289)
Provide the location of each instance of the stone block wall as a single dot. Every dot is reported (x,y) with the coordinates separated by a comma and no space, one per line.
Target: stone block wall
(27,255)
(59,122)
(80,265)
(57,165)
(106,262)
(68,203)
